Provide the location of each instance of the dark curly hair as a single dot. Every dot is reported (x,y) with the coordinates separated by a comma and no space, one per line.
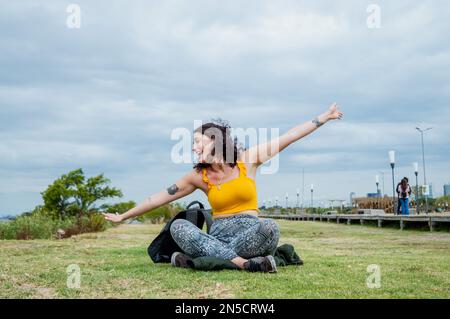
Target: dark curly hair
(230,149)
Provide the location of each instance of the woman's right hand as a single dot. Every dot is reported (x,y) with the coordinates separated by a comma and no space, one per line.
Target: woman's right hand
(116,218)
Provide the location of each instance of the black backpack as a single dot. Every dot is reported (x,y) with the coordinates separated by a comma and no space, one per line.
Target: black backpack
(163,246)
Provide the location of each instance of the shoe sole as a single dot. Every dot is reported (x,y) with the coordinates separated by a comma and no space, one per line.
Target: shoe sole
(273,263)
(173,258)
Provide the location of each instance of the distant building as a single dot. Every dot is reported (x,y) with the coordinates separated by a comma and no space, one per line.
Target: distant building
(447,189)
(351,198)
(430,195)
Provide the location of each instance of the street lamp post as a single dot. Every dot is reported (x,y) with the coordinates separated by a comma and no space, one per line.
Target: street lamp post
(377,182)
(392,160)
(303,189)
(423,160)
(298,198)
(287,200)
(416,172)
(382,175)
(312,195)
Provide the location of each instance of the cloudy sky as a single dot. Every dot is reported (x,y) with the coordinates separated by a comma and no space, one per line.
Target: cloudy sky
(105,97)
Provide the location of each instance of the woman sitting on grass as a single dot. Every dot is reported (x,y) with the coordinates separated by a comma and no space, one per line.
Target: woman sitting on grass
(227,177)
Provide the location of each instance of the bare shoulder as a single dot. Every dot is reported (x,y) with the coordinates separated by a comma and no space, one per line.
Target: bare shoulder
(195,177)
(250,166)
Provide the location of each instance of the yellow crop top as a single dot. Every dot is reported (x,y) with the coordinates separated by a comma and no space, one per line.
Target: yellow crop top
(233,196)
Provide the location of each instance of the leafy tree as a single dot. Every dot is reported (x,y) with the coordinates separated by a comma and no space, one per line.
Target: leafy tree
(92,190)
(59,195)
(73,194)
(118,208)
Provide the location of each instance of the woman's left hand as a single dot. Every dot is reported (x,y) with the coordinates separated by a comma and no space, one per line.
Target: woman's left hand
(116,218)
(334,113)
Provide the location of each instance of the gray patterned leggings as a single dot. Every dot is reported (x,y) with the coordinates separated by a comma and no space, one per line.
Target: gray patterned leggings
(243,236)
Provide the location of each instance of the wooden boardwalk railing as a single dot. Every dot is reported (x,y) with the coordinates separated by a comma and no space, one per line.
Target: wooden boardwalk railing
(432,219)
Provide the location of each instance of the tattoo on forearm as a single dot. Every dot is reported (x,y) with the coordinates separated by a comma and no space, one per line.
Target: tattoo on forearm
(317,122)
(173,189)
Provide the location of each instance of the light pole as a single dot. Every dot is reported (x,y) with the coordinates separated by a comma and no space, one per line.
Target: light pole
(423,160)
(303,188)
(287,200)
(377,182)
(392,160)
(312,195)
(298,198)
(416,172)
(382,174)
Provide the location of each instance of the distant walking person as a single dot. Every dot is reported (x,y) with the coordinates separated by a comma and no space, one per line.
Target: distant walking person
(399,204)
(398,188)
(404,192)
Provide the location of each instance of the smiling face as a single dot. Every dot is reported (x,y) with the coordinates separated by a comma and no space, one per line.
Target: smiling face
(213,143)
(203,146)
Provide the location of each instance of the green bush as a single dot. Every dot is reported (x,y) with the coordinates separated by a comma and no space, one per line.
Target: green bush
(30,227)
(40,226)
(89,223)
(44,224)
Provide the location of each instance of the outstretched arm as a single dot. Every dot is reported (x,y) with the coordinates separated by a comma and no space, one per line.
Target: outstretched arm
(261,153)
(181,188)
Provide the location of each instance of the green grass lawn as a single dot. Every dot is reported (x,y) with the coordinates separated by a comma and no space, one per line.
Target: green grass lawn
(115,264)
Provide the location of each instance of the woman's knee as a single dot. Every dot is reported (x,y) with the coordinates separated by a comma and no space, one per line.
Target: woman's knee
(273,238)
(269,228)
(178,226)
